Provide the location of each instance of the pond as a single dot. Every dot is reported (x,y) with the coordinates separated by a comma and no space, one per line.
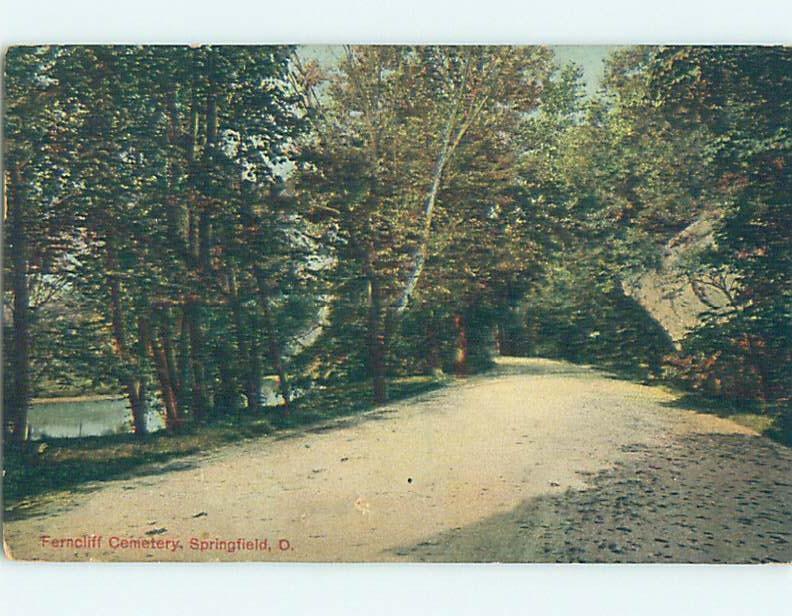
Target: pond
(100,416)
(89,417)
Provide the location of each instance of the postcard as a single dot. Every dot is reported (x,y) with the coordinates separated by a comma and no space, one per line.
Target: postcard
(397,303)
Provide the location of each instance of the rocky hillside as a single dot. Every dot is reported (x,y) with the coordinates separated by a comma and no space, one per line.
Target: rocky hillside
(670,295)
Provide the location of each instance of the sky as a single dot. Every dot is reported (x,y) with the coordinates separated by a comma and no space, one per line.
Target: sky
(589,57)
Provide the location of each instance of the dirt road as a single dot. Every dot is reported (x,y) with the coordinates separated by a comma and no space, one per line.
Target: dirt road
(542,461)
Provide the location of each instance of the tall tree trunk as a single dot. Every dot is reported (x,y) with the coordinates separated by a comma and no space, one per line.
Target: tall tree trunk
(757,358)
(185,368)
(461,354)
(172,415)
(205,240)
(133,381)
(434,360)
(376,342)
(504,337)
(136,392)
(200,397)
(179,218)
(423,247)
(166,336)
(453,132)
(204,219)
(253,373)
(227,398)
(248,348)
(20,362)
(276,355)
(140,403)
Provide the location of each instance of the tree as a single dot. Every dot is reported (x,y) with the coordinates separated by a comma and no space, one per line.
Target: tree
(36,214)
(170,160)
(738,96)
(391,128)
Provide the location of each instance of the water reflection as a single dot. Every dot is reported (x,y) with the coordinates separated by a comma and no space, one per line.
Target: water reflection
(59,419)
(100,417)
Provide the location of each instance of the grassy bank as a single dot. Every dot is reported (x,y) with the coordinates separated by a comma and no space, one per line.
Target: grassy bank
(766,421)
(54,465)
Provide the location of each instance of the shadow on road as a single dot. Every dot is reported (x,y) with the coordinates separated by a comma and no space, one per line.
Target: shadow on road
(64,493)
(704,499)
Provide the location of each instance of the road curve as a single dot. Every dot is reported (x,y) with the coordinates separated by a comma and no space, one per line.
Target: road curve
(538,461)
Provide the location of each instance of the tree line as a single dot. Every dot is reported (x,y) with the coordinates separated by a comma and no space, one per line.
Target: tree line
(182,221)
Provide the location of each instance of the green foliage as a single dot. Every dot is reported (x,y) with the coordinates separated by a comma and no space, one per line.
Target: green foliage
(583,316)
(187,220)
(677,136)
(737,96)
(414,166)
(183,263)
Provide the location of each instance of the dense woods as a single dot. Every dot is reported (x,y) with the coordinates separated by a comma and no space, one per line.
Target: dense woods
(182,222)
